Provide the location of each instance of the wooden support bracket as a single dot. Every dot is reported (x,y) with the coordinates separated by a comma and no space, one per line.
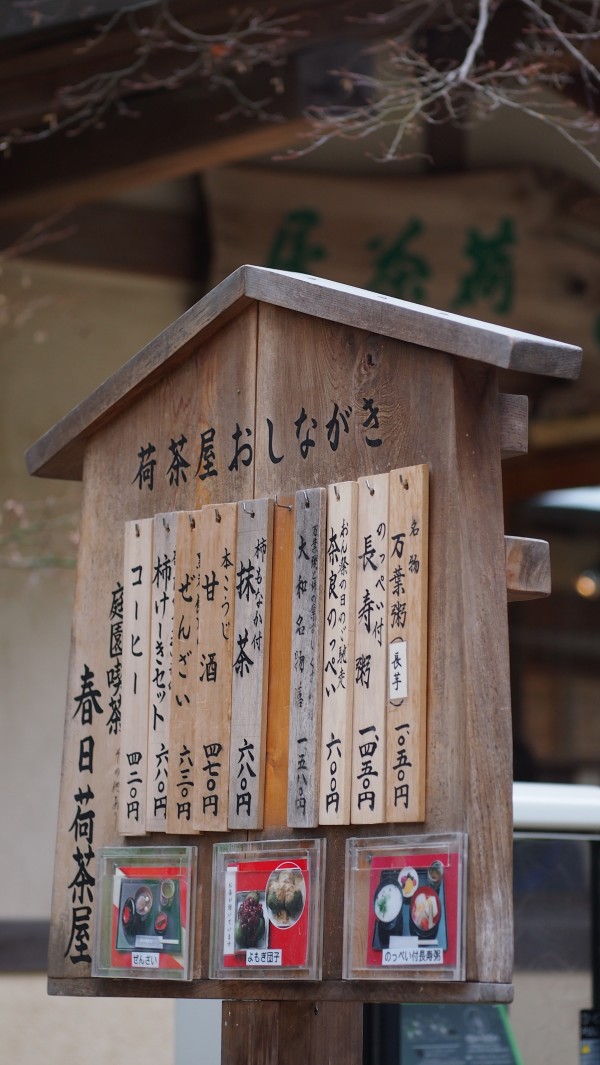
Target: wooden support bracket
(527,568)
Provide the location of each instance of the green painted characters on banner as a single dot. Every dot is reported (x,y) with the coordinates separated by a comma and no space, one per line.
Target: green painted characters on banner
(399,268)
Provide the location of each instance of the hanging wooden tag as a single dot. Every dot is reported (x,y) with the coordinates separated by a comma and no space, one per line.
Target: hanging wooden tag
(278,716)
(338,654)
(212,667)
(407,644)
(133,756)
(180,784)
(370,652)
(254,548)
(306,683)
(161,638)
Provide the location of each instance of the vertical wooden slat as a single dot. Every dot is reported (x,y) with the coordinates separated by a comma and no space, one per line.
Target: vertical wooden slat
(180,786)
(161,657)
(254,548)
(370,652)
(212,665)
(278,717)
(306,691)
(406,715)
(133,757)
(486,687)
(338,654)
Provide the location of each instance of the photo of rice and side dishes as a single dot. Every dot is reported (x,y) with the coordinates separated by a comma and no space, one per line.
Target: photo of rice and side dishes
(424,906)
(281,903)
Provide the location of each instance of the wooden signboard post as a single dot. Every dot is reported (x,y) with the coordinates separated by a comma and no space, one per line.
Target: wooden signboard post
(273,386)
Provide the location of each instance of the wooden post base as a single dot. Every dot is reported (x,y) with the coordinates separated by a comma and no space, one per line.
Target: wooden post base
(292,1033)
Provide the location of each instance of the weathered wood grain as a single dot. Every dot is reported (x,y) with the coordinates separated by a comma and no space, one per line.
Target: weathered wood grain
(369,669)
(255,992)
(406,714)
(278,713)
(514,424)
(254,549)
(182,719)
(213,664)
(161,663)
(306,661)
(137,598)
(527,568)
(59,453)
(338,654)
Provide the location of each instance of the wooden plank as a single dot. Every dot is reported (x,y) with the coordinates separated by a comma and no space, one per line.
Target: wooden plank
(217,537)
(182,696)
(250,1033)
(278,714)
(476,488)
(59,453)
(320,1033)
(137,596)
(406,715)
(162,142)
(482,342)
(254,547)
(370,653)
(340,624)
(306,690)
(514,424)
(527,568)
(252,991)
(161,659)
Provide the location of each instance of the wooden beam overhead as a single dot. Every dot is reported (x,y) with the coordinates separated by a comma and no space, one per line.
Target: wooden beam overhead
(171,134)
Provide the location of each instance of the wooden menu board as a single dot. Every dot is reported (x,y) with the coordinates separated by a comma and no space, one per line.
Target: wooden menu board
(274,384)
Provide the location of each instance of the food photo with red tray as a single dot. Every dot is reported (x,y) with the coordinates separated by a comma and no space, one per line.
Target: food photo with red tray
(405,901)
(267,905)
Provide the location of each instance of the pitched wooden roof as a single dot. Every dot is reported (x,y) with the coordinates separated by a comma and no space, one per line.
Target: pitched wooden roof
(59,453)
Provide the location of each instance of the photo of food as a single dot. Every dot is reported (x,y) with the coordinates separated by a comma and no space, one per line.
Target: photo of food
(286,896)
(145,911)
(425,912)
(406,907)
(267,906)
(251,920)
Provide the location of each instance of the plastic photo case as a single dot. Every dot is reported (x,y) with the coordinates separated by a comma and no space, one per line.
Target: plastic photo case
(267,910)
(146,900)
(405,900)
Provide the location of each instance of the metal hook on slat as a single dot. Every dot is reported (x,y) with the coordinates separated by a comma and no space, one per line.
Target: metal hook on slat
(165,525)
(137,529)
(250,512)
(371,490)
(337,492)
(218,516)
(306,499)
(192,521)
(284,506)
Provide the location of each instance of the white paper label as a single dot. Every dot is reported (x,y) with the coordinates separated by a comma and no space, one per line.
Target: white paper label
(144,959)
(416,957)
(263,957)
(229,938)
(398,671)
